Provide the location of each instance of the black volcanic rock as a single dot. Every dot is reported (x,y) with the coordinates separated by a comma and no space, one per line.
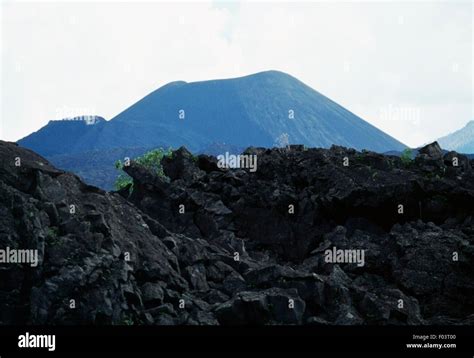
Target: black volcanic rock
(237,254)
(409,255)
(107,256)
(432,150)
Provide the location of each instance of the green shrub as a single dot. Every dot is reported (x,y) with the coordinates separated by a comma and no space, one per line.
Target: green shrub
(150,160)
(406,156)
(52,232)
(123,181)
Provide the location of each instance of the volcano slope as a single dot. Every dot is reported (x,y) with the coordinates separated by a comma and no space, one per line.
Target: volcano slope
(206,245)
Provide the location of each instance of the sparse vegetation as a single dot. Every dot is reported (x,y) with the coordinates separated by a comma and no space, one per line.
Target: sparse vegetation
(150,160)
(406,156)
(52,235)
(127,321)
(52,232)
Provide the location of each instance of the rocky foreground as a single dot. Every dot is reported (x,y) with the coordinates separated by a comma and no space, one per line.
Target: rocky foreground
(206,245)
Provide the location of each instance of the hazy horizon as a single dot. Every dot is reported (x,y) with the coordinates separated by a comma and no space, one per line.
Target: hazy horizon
(404,67)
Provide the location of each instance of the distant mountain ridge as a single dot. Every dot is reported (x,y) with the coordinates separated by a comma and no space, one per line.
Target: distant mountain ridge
(252,110)
(461,141)
(265,109)
(62,136)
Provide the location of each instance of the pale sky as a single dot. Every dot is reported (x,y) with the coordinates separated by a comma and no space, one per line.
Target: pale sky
(405,67)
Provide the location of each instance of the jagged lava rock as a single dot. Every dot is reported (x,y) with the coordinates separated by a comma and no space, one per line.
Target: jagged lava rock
(238,254)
